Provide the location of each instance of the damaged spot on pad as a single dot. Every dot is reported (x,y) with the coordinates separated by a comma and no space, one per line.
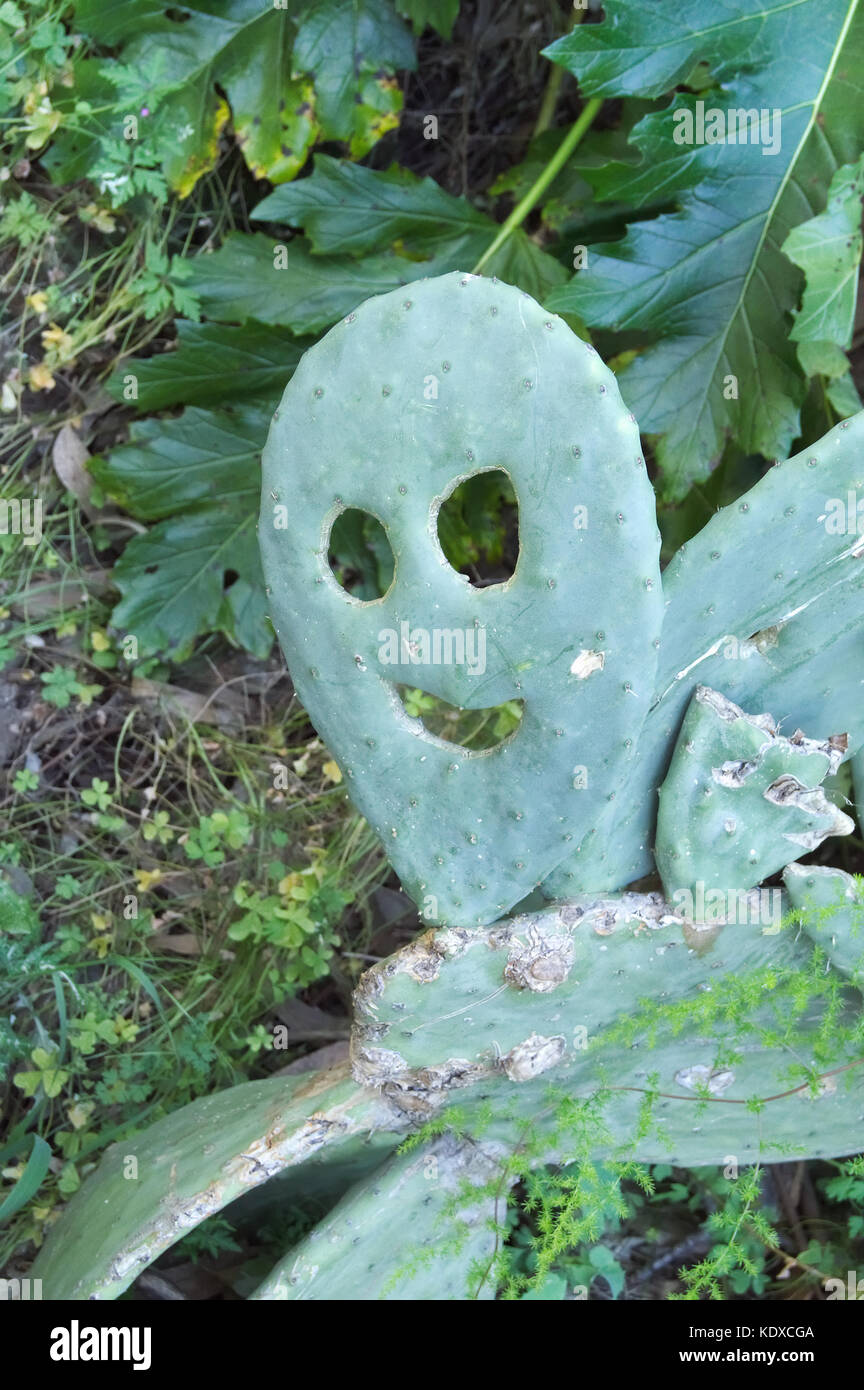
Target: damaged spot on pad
(586,663)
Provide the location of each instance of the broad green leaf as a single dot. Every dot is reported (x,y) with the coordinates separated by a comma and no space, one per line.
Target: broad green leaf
(346,209)
(255,277)
(843,395)
(195,66)
(434,14)
(645,50)
(605,1263)
(828,249)
(171,465)
(210,361)
(569,197)
(710,281)
(197,570)
(178,581)
(348,47)
(520,261)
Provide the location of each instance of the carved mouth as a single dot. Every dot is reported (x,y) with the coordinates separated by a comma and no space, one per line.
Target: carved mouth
(476,730)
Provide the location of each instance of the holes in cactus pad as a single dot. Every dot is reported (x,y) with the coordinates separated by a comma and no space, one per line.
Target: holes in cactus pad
(476,730)
(478,528)
(360,555)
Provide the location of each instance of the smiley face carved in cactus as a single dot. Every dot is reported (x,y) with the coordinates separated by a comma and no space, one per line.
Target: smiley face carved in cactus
(401,402)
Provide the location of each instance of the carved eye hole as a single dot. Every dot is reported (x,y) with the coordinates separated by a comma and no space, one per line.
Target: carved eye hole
(478,528)
(360,555)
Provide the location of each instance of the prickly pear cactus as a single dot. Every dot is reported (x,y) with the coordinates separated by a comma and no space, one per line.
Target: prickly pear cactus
(740,800)
(766,605)
(403,400)
(351,1254)
(831,904)
(651,1027)
(151,1190)
(549,1004)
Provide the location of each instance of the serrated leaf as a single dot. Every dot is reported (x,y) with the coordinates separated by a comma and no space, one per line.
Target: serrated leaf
(255,63)
(255,277)
(346,209)
(520,261)
(343,43)
(709,281)
(176,582)
(171,465)
(198,569)
(440,15)
(644,50)
(256,358)
(828,249)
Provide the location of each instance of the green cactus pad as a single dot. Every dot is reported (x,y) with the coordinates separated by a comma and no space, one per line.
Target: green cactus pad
(511,1026)
(150,1190)
(740,801)
(766,603)
(507,1023)
(831,907)
(426,1196)
(399,403)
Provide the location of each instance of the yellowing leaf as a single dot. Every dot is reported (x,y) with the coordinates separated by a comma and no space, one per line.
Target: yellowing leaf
(206,153)
(100,218)
(40,378)
(147,879)
(57,341)
(79,1113)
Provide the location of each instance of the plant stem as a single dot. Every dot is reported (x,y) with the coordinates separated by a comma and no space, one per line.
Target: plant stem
(556,76)
(538,188)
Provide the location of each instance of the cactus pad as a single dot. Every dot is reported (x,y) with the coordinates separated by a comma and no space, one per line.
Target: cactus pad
(399,403)
(427,1195)
(740,801)
(150,1190)
(508,1022)
(831,907)
(766,603)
